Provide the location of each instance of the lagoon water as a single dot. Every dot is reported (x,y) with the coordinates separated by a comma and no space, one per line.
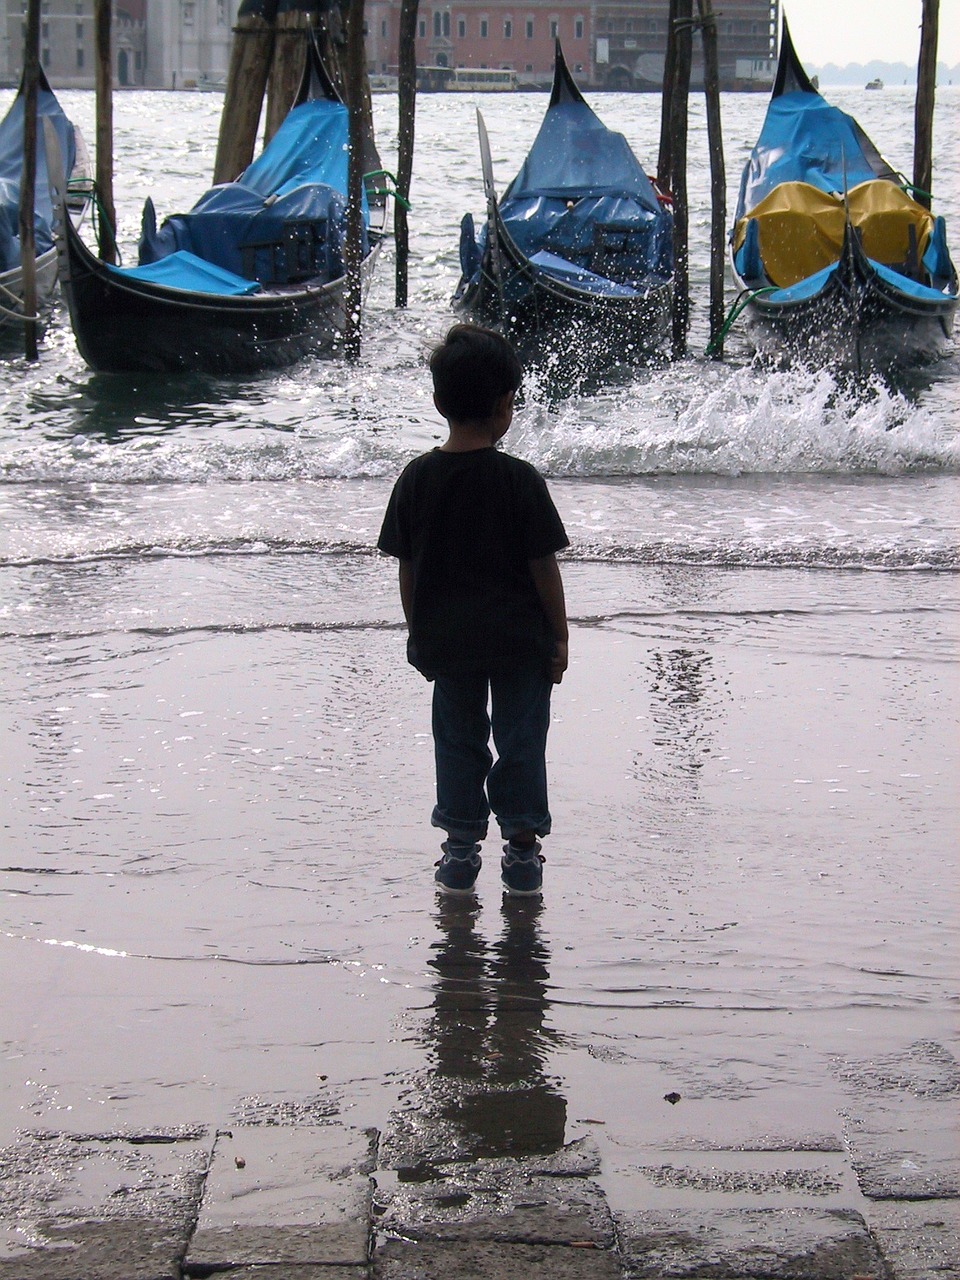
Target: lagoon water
(215,858)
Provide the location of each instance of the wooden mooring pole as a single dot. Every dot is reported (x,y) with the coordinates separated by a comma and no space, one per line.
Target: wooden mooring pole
(355,72)
(102,18)
(672,165)
(718,178)
(407,107)
(294,21)
(926,94)
(250,59)
(28,180)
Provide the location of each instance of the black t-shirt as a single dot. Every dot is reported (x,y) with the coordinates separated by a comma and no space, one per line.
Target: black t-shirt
(469,523)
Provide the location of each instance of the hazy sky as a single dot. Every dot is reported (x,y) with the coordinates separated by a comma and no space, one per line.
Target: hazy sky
(844,31)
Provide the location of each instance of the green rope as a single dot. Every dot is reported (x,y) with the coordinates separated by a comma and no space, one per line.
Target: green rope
(388,191)
(742,300)
(87,188)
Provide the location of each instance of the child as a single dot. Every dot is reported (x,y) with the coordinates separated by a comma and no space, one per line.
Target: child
(476,533)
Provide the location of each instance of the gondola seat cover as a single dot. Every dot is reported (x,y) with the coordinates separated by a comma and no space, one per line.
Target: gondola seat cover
(254,227)
(185,271)
(800,228)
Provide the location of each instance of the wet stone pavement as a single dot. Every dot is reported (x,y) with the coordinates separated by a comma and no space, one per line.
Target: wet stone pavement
(291,1192)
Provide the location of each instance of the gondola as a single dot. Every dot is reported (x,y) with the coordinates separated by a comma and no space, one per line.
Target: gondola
(577,257)
(838,265)
(252,278)
(75,162)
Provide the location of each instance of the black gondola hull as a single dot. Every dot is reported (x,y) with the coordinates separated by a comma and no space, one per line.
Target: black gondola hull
(123,325)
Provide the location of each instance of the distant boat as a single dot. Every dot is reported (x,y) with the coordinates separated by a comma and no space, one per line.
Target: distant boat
(75,161)
(836,262)
(874,84)
(251,278)
(578,253)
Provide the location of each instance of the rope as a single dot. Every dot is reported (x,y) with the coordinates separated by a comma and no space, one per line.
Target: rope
(386,191)
(742,300)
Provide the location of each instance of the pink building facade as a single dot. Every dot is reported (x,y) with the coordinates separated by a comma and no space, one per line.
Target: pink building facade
(501,36)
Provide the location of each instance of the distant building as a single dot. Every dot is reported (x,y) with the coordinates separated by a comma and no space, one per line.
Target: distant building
(67,49)
(189,42)
(620,45)
(186,44)
(480,34)
(631,43)
(159,44)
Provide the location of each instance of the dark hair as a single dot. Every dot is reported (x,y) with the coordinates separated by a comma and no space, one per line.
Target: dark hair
(472,368)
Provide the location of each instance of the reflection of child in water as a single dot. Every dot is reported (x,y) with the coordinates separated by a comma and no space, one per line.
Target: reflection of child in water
(488,1034)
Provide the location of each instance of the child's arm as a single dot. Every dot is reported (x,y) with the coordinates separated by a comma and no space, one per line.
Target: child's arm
(549,585)
(406,589)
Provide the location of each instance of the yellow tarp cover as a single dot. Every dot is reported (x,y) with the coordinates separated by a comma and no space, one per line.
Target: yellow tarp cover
(801,228)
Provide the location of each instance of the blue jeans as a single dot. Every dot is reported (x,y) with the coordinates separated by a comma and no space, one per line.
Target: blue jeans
(469,782)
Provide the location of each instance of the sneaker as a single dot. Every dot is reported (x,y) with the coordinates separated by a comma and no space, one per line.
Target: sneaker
(457,871)
(521,871)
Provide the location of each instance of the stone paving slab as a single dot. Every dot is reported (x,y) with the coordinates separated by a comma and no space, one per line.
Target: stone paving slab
(900,1146)
(919,1241)
(748,1244)
(473,1206)
(282,1195)
(99,1207)
(488,1260)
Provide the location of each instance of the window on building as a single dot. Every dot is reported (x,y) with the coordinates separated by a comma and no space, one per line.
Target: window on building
(554,28)
(45,30)
(528,67)
(436,22)
(80,59)
(508,29)
(529,28)
(484,28)
(187,13)
(462,28)
(138,60)
(422,28)
(45,56)
(578,67)
(221,13)
(79,31)
(578,28)
(383,29)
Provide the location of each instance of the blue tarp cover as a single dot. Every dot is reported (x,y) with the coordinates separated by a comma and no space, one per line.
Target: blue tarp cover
(183,270)
(575,155)
(282,219)
(571,274)
(810,287)
(11,165)
(804,139)
(580,176)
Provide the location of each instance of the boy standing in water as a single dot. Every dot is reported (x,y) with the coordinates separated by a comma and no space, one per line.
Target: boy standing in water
(476,534)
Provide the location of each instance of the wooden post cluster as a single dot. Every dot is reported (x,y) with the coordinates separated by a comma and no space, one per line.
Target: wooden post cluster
(926,93)
(102,17)
(672,161)
(406,106)
(718,177)
(28,179)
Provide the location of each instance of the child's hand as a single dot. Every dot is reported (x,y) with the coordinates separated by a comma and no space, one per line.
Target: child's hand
(558,663)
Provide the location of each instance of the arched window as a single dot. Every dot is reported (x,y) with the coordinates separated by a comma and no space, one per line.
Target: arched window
(446,23)
(436,22)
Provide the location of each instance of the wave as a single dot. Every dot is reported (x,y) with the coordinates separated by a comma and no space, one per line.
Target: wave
(719,554)
(690,418)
